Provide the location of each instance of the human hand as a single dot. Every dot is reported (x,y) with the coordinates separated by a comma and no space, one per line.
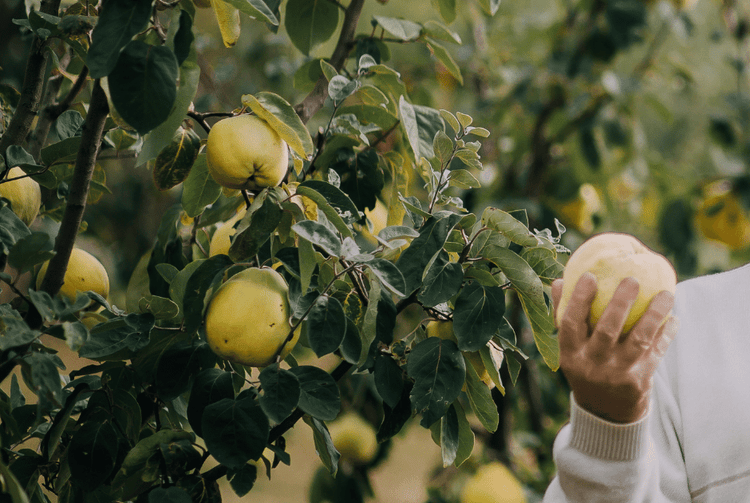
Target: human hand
(611,373)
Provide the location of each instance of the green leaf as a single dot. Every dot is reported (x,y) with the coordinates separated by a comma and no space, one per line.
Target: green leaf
(492,359)
(439,31)
(445,58)
(242,479)
(61,152)
(477,315)
(463,179)
(389,379)
(443,147)
(235,431)
(310,22)
(531,293)
(11,486)
(369,114)
(490,6)
(323,200)
(465,435)
(280,115)
(307,75)
(199,189)
(160,137)
(340,88)
(256,227)
(161,307)
(169,495)
(184,38)
(119,21)
(320,235)
(543,262)
(31,250)
(336,197)
(256,9)
(369,325)
(324,445)
(12,229)
(512,228)
(178,365)
(389,275)
(128,334)
(281,392)
(402,29)
(92,453)
(45,376)
(480,398)
(325,326)
(464,119)
(210,386)
(14,331)
(319,394)
(442,281)
(206,276)
(143,85)
(449,436)
(420,124)
(68,124)
(432,236)
(174,162)
(439,371)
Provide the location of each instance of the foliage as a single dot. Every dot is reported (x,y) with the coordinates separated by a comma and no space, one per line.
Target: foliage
(573,130)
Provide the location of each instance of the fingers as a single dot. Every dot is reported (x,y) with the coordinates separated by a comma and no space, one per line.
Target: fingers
(574,325)
(642,337)
(608,329)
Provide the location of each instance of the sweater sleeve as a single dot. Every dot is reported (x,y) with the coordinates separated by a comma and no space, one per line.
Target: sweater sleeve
(600,461)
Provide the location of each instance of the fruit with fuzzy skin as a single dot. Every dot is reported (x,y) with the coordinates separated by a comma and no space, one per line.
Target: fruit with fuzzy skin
(84,273)
(493,483)
(612,257)
(354,438)
(247,320)
(245,152)
(24,195)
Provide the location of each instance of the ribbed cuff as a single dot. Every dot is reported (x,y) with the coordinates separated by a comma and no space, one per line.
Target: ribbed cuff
(604,440)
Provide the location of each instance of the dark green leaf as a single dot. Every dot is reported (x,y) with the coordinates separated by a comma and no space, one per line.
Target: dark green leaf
(257,9)
(394,418)
(118,22)
(143,85)
(62,152)
(45,376)
(14,331)
(178,365)
(432,236)
(31,250)
(92,453)
(235,431)
(12,229)
(310,22)
(480,398)
(162,308)
(449,436)
(184,38)
(243,479)
(174,162)
(198,285)
(351,347)
(319,234)
(389,275)
(439,371)
(319,395)
(119,337)
(477,315)
(389,380)
(68,125)
(333,195)
(420,124)
(509,226)
(326,325)
(281,391)
(442,281)
(199,189)
(256,228)
(210,386)
(324,445)
(170,494)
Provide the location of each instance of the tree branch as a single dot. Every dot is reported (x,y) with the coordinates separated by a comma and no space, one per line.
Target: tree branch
(317,97)
(91,139)
(31,91)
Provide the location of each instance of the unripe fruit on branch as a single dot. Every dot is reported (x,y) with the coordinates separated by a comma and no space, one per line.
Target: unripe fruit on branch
(245,152)
(247,320)
(24,195)
(612,257)
(354,438)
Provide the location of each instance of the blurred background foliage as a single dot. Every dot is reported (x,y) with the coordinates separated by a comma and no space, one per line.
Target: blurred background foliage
(624,115)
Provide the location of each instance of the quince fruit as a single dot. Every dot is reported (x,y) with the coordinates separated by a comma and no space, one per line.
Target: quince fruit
(354,438)
(247,320)
(493,483)
(612,257)
(85,273)
(24,195)
(245,152)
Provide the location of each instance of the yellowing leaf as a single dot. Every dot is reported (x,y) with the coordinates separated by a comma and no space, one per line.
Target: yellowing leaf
(280,115)
(228,18)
